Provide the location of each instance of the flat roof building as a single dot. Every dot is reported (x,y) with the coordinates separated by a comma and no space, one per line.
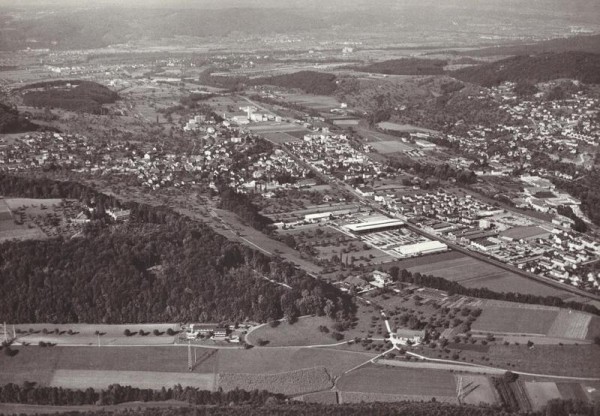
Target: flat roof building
(375,225)
(426,247)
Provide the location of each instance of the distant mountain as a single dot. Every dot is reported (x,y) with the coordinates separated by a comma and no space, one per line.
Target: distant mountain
(11,121)
(584,43)
(581,66)
(91,28)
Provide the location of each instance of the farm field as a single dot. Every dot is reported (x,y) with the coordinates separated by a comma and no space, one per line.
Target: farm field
(99,379)
(279,137)
(572,391)
(535,320)
(41,364)
(323,397)
(570,324)
(517,319)
(477,389)
(404,382)
(316,102)
(559,360)
(519,233)
(474,273)
(280,360)
(391,146)
(541,392)
(304,332)
(9,230)
(593,328)
(387,125)
(289,382)
(85,334)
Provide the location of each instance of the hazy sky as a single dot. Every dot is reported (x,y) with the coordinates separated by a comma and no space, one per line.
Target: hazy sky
(590,9)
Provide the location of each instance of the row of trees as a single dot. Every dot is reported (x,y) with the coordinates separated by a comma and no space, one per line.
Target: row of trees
(32,393)
(405,408)
(453,288)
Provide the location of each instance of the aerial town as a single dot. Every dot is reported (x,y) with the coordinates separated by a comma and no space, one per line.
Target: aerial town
(256,210)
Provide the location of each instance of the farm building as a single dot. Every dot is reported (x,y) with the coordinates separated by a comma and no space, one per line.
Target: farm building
(426,247)
(412,336)
(195,330)
(375,224)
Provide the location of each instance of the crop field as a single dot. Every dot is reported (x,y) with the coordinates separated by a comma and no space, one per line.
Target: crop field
(570,324)
(290,382)
(304,332)
(399,381)
(40,364)
(316,102)
(560,360)
(10,230)
(386,125)
(593,328)
(477,390)
(540,393)
(274,127)
(323,397)
(519,233)
(85,334)
(515,320)
(280,137)
(572,391)
(391,146)
(279,360)
(99,379)
(471,272)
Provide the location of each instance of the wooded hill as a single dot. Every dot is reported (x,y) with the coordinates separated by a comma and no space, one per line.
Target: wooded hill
(408,66)
(82,96)
(581,66)
(584,43)
(158,267)
(311,82)
(11,121)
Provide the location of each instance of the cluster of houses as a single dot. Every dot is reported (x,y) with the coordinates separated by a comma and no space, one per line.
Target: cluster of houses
(558,127)
(151,167)
(333,155)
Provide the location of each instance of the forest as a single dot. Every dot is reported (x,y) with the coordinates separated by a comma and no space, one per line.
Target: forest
(242,206)
(33,393)
(11,121)
(587,191)
(85,96)
(407,66)
(581,66)
(454,288)
(158,267)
